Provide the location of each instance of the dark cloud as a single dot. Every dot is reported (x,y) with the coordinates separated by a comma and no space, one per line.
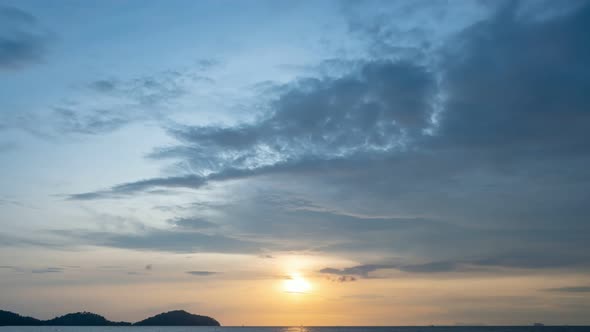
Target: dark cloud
(570,289)
(359,270)
(516,104)
(48,270)
(201,273)
(149,267)
(190,181)
(380,111)
(22,40)
(317,227)
(477,161)
(514,260)
(296,224)
(374,110)
(342,279)
(365,271)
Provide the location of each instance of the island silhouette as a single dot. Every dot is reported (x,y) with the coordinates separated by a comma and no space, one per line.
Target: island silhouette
(171,318)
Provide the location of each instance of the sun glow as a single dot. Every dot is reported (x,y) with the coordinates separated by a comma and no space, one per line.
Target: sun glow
(296,284)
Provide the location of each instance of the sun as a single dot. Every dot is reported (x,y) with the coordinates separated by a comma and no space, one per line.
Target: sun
(296,284)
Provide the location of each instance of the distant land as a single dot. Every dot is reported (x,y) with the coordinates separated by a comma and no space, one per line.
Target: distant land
(171,318)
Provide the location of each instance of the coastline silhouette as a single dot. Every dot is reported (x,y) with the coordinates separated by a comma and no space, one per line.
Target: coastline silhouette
(171,318)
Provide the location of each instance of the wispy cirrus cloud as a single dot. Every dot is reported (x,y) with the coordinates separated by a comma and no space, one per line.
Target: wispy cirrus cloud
(108,104)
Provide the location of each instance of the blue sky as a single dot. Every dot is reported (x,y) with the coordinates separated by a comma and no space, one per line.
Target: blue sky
(397,154)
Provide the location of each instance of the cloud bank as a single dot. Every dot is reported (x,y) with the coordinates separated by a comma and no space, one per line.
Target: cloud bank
(473,156)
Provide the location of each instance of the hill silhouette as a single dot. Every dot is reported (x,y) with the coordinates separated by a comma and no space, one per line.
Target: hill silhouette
(178,318)
(82,319)
(12,319)
(172,318)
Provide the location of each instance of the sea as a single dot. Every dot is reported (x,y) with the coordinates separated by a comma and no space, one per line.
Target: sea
(297,329)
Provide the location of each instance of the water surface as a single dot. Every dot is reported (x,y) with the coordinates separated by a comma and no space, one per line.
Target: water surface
(295,329)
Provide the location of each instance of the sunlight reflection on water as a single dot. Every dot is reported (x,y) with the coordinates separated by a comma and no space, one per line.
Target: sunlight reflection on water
(295,329)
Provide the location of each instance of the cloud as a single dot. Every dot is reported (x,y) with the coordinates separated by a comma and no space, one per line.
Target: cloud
(342,279)
(149,267)
(570,289)
(153,239)
(384,110)
(72,119)
(201,273)
(284,223)
(433,267)
(107,104)
(365,270)
(359,270)
(514,260)
(390,28)
(147,90)
(48,270)
(22,40)
(39,240)
(191,181)
(507,102)
(374,110)
(116,103)
(192,223)
(476,159)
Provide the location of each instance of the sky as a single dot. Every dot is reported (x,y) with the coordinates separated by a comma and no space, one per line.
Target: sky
(297,162)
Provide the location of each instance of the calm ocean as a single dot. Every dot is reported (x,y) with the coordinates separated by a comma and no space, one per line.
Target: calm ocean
(300,329)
